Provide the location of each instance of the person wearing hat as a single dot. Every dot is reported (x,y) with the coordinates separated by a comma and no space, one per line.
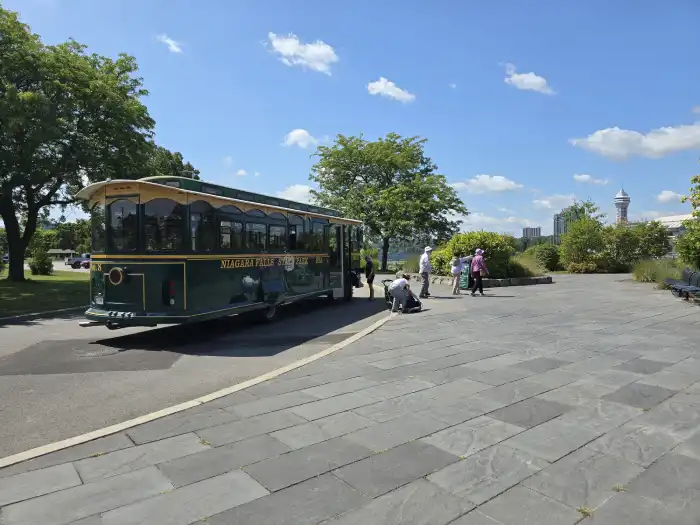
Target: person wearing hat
(479,270)
(425,269)
(369,275)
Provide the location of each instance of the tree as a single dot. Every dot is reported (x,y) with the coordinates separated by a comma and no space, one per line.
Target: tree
(68,118)
(582,209)
(165,162)
(652,238)
(688,244)
(3,241)
(389,184)
(581,245)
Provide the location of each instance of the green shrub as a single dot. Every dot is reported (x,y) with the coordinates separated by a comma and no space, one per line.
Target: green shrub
(2,266)
(656,270)
(582,267)
(528,261)
(41,263)
(517,269)
(374,255)
(688,244)
(546,255)
(498,248)
(441,261)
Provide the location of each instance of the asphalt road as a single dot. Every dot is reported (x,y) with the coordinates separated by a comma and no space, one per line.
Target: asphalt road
(58,380)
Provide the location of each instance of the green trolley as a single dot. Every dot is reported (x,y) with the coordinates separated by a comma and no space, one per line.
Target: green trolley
(172,250)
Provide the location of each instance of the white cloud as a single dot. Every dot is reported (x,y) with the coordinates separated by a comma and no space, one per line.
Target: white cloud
(553,202)
(296,192)
(505,210)
(452,85)
(299,137)
(256,174)
(241,173)
(481,221)
(173,45)
(617,143)
(696,110)
(527,81)
(317,56)
(386,88)
(588,179)
(669,196)
(487,183)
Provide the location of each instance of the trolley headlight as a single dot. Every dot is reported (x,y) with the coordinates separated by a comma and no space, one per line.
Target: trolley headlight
(116,276)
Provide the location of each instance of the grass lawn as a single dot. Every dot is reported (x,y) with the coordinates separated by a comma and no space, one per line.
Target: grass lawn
(42,293)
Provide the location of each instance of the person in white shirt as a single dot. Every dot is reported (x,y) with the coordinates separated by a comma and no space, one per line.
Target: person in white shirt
(458,265)
(399,289)
(425,269)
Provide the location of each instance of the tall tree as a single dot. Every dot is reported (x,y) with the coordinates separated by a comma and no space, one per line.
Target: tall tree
(165,162)
(582,209)
(389,184)
(68,118)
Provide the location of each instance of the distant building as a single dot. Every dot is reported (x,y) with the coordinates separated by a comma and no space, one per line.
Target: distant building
(622,203)
(531,233)
(562,221)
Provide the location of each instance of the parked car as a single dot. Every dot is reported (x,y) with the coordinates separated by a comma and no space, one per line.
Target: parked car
(6,258)
(79,262)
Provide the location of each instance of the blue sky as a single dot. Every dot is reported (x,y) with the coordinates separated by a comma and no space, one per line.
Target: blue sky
(525,104)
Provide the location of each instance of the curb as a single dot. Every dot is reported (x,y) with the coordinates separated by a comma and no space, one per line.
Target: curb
(23,317)
(490,283)
(113,429)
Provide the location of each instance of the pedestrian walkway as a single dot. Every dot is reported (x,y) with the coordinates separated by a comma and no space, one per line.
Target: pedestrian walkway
(576,402)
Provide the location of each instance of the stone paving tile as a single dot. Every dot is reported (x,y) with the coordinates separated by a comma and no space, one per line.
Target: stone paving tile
(237,398)
(630,509)
(247,428)
(271,404)
(445,375)
(677,419)
(418,503)
(334,405)
(191,503)
(593,364)
(383,436)
(625,353)
(499,376)
(284,384)
(92,520)
(556,378)
(475,518)
(613,378)
(398,466)
(542,364)
(575,355)
(322,429)
(530,412)
(673,480)
(398,388)
(640,395)
(471,408)
(60,508)
(576,394)
(522,506)
(37,483)
(98,446)
(180,423)
(398,361)
(302,464)
(135,458)
(339,387)
(216,461)
(688,366)
(308,503)
(686,398)
(600,415)
(642,366)
(514,392)
(641,445)
(690,447)
(669,355)
(669,379)
(583,479)
(486,474)
(552,440)
(472,436)
(449,394)
(499,361)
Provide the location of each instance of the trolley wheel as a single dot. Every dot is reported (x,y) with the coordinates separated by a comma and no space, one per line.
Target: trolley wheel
(269,313)
(113,326)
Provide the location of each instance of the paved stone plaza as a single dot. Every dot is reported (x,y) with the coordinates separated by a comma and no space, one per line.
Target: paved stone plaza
(542,405)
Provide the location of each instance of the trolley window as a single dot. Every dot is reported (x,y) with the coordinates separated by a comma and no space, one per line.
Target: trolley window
(98,226)
(123,226)
(256,236)
(164,222)
(278,238)
(296,233)
(202,227)
(230,234)
(317,237)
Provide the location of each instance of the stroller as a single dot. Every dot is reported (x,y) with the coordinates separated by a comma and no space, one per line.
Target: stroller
(413,304)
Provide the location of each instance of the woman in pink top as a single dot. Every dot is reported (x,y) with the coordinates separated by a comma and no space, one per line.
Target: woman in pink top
(479,270)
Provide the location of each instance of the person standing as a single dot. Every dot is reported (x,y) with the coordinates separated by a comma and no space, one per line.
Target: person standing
(369,276)
(425,269)
(459,264)
(479,270)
